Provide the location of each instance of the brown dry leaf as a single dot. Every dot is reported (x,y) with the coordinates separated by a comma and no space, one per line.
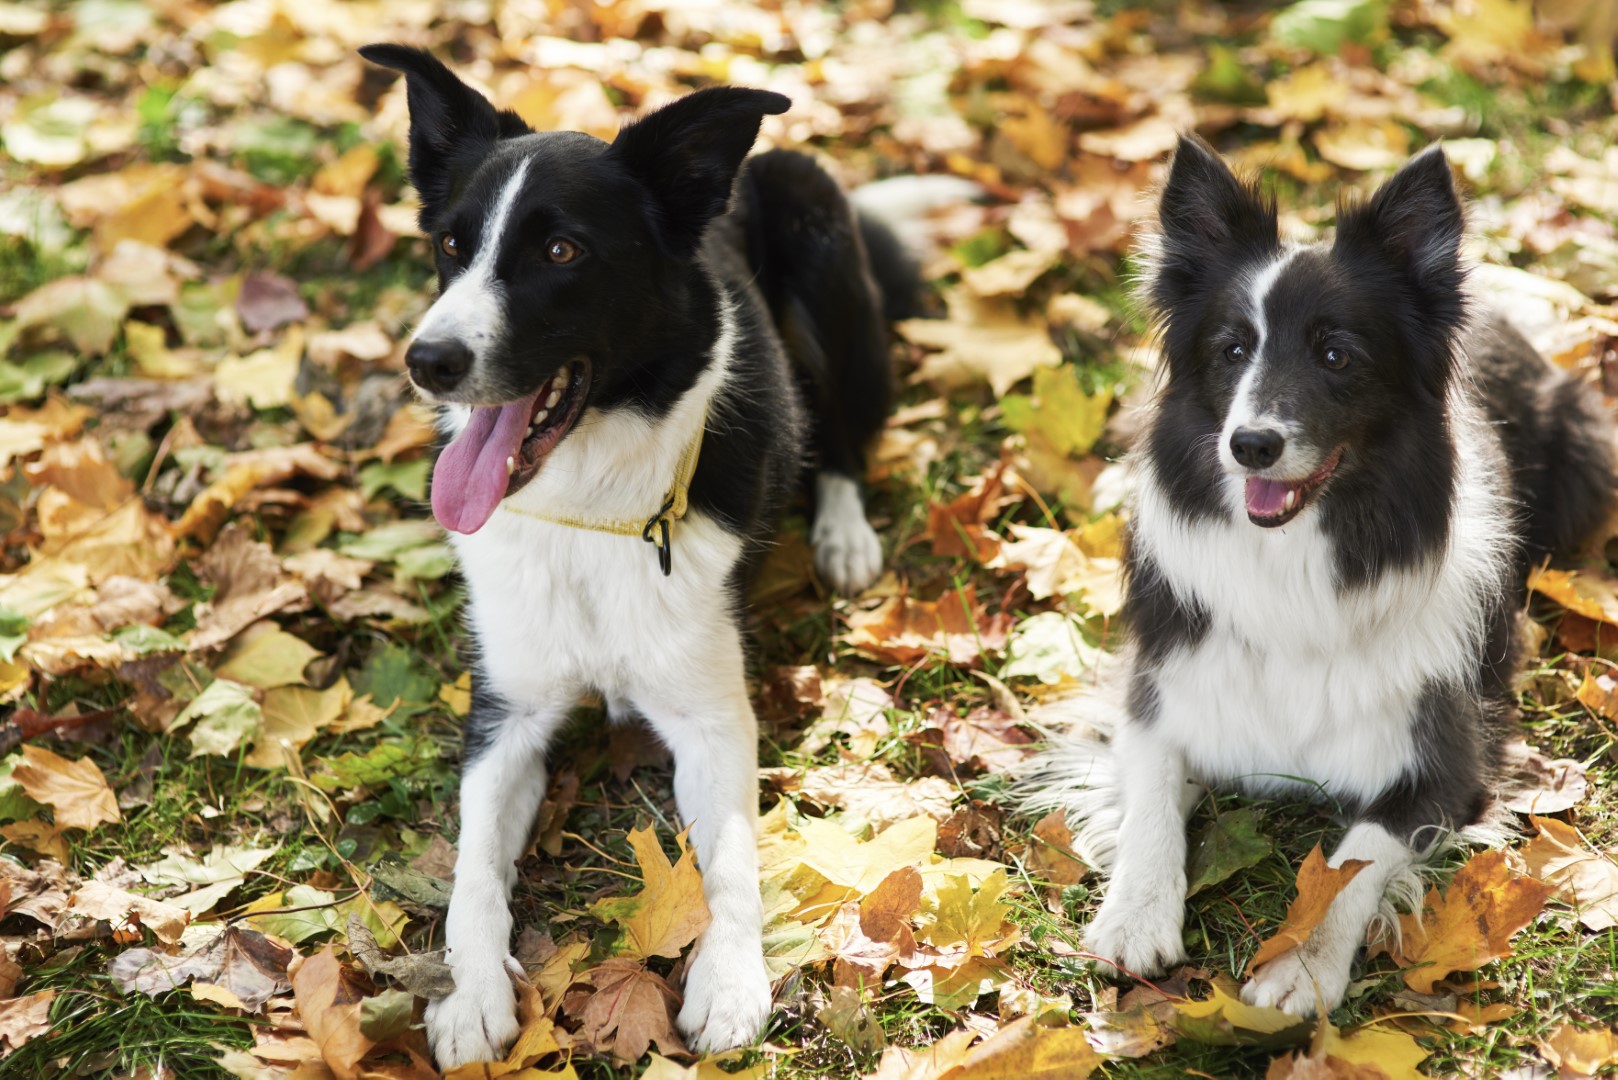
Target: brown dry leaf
(930,1063)
(1050,853)
(630,1010)
(669,912)
(40,836)
(902,631)
(1318,886)
(868,792)
(1541,785)
(127,911)
(960,526)
(24,1018)
(292,716)
(1056,565)
(250,584)
(1471,923)
(1579,1053)
(329,1002)
(981,341)
(856,708)
(76,791)
(984,740)
(250,966)
(1585,880)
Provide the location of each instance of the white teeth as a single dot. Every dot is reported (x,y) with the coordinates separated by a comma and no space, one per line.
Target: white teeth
(555,396)
(560,380)
(539,418)
(511,465)
(1292,497)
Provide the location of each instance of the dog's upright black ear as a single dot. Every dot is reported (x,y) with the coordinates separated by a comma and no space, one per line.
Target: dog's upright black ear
(688,153)
(452,126)
(1206,217)
(1416,221)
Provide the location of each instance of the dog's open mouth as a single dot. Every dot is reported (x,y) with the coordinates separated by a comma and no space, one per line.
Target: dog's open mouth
(502,447)
(1276,502)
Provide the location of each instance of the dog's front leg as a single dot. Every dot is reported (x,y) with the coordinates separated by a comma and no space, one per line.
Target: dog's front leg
(1139,925)
(1317,971)
(708,723)
(502,784)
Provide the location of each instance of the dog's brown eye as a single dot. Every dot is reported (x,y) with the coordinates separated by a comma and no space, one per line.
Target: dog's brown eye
(446,244)
(1336,359)
(1235,354)
(558,250)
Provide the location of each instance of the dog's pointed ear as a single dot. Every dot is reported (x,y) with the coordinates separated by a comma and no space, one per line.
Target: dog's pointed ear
(1206,216)
(1206,210)
(452,126)
(688,153)
(1416,220)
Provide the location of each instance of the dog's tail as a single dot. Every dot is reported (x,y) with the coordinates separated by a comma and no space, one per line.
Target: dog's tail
(1074,773)
(893,227)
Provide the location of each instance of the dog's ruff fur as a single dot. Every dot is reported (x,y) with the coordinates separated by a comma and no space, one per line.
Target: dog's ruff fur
(695,297)
(1352,640)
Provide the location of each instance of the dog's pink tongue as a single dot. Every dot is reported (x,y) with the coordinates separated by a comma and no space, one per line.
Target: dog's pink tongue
(1266,498)
(471,476)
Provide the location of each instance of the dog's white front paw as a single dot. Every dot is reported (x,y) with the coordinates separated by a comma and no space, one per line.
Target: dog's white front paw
(727,997)
(478,1020)
(1298,982)
(1139,938)
(848,554)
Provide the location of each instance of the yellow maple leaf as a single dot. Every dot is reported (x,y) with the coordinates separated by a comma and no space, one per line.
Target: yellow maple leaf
(669,913)
(1318,886)
(1471,923)
(76,791)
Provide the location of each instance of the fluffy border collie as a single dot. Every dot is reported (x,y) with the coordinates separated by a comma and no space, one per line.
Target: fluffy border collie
(1344,478)
(614,321)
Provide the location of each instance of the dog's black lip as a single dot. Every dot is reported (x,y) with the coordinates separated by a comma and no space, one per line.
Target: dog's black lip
(1308,489)
(572,404)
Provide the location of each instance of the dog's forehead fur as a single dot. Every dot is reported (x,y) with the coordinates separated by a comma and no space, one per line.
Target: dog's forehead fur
(567,171)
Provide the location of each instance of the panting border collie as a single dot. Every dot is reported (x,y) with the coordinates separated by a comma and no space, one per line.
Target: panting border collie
(633,346)
(1342,481)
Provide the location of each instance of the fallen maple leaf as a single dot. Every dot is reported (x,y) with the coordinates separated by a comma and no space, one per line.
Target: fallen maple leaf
(1585,880)
(1471,923)
(666,915)
(1367,1053)
(1224,1019)
(630,1010)
(249,965)
(1318,886)
(1027,1050)
(1050,852)
(902,631)
(76,791)
(1579,1053)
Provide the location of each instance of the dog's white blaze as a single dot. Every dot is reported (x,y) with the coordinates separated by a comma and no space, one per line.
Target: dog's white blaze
(1242,412)
(472,310)
(557,611)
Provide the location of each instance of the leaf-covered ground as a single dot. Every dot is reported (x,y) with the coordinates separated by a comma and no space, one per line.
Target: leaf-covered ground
(228,632)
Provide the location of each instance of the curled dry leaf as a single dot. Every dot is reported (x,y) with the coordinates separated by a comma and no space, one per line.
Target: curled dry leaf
(329,998)
(24,1018)
(126,911)
(1585,880)
(1579,1053)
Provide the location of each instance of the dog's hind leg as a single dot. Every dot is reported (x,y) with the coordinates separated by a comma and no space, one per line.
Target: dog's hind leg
(707,720)
(502,784)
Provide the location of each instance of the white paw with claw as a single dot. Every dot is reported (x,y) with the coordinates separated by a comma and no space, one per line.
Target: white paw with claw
(848,554)
(1298,982)
(727,997)
(1139,938)
(478,1020)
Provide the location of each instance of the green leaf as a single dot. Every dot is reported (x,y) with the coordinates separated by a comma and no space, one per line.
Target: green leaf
(386,543)
(226,714)
(1325,26)
(384,762)
(13,633)
(27,380)
(147,639)
(15,805)
(408,478)
(268,659)
(1229,843)
(386,1015)
(1050,647)
(392,675)
(428,563)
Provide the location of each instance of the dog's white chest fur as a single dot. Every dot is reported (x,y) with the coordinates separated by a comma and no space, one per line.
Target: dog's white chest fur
(1296,684)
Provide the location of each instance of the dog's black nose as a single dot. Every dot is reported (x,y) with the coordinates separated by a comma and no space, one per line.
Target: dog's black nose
(1257,448)
(438,366)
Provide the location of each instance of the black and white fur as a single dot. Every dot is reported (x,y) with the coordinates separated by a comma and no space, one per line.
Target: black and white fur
(1355,642)
(700,290)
